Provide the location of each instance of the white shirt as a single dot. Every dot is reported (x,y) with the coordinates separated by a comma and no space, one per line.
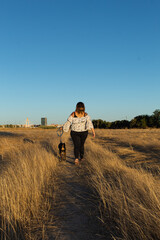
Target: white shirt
(78,124)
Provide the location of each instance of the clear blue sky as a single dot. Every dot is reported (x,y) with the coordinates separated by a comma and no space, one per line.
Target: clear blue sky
(54,53)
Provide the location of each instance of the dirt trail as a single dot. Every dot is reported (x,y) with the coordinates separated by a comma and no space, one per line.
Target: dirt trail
(75,215)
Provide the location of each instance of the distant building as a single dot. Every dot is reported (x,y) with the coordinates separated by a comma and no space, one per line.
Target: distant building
(44,121)
(27,123)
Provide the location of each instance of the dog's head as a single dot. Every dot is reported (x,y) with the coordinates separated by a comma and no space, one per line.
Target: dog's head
(62,146)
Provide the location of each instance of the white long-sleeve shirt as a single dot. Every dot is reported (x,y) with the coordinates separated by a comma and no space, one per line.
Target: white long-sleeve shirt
(78,124)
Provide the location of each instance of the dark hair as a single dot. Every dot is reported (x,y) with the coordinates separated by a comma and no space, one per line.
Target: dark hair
(80,107)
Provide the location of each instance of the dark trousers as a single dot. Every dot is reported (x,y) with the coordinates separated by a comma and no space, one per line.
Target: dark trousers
(78,141)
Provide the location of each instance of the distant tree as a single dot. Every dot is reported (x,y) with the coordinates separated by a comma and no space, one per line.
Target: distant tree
(139,122)
(156,113)
(94,123)
(107,125)
(143,123)
(156,118)
(124,124)
(98,123)
(120,124)
(101,124)
(151,122)
(114,125)
(133,123)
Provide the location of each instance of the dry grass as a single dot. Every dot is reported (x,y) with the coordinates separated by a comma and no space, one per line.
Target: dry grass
(123,167)
(129,198)
(134,137)
(138,148)
(25,175)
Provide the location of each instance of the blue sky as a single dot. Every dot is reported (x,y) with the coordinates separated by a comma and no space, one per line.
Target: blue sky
(54,53)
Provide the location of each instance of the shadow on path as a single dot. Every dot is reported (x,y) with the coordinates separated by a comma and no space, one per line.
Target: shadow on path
(70,160)
(10,134)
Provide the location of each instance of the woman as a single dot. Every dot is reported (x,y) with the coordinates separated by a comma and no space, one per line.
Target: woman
(80,123)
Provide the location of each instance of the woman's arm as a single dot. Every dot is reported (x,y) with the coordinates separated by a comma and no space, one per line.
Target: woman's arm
(67,124)
(93,132)
(90,125)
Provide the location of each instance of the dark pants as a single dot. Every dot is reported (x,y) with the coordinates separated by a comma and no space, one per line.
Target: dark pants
(78,141)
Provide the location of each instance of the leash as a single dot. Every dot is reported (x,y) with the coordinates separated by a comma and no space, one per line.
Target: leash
(60,133)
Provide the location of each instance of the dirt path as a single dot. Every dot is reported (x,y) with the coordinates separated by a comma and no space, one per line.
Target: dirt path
(75,215)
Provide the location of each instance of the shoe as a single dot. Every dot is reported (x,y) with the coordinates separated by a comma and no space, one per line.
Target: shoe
(76,161)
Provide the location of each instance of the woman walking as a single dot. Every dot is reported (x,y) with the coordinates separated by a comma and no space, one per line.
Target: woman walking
(80,123)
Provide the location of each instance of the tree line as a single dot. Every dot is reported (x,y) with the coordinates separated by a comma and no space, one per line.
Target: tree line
(141,121)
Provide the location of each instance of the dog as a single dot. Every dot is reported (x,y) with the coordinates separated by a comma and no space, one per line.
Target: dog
(62,151)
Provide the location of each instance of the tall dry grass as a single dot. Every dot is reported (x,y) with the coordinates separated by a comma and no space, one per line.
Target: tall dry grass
(146,139)
(25,176)
(129,199)
(137,147)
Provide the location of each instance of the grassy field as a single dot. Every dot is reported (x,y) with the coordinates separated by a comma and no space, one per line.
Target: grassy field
(25,172)
(122,170)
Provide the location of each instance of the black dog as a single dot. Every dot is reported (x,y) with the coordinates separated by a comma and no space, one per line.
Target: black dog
(62,151)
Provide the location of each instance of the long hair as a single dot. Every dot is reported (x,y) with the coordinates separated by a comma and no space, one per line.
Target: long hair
(80,107)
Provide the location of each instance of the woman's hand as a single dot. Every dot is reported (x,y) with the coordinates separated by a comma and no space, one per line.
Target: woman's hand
(93,132)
